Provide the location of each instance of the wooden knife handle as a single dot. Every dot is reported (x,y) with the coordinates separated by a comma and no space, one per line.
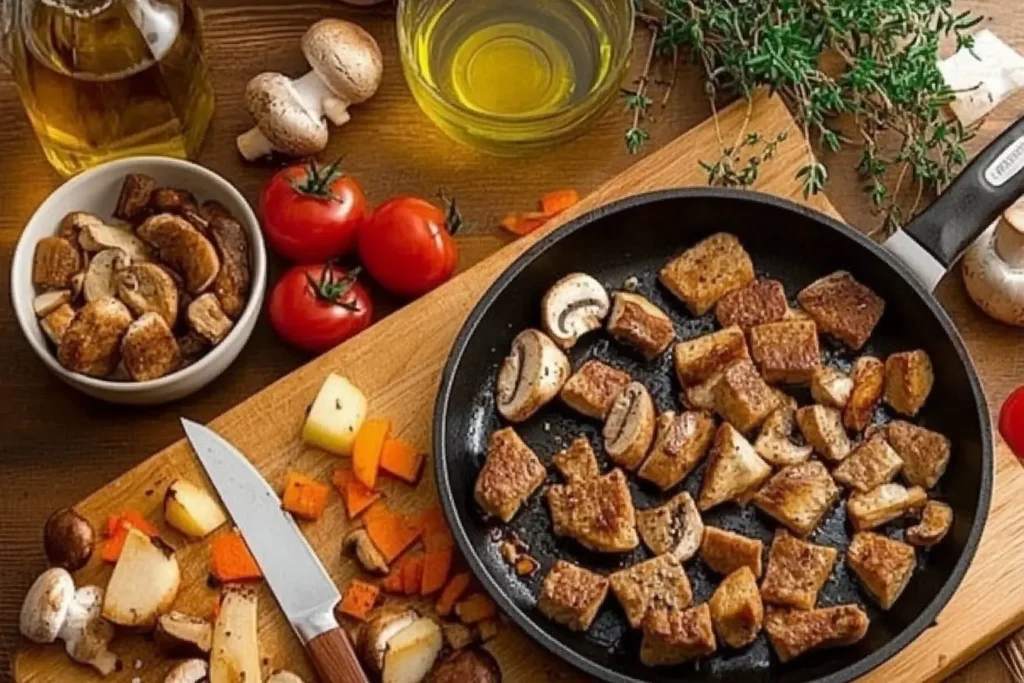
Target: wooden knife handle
(335,658)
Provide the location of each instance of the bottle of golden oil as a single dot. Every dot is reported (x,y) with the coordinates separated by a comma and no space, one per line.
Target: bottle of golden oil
(102,79)
(511,75)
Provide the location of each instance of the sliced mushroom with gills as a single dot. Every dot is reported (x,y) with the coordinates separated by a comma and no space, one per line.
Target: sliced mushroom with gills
(148,288)
(530,376)
(101,275)
(629,429)
(183,635)
(382,626)
(358,544)
(95,235)
(575,305)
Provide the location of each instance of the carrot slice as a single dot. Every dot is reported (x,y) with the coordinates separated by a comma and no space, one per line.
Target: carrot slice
(114,544)
(390,532)
(360,597)
(230,559)
(524,223)
(366,450)
(304,496)
(412,574)
(453,590)
(137,521)
(436,566)
(476,608)
(401,460)
(558,201)
(436,536)
(356,496)
(392,583)
(116,531)
(112,525)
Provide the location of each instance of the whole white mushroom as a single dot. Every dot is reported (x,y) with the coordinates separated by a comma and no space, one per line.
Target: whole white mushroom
(993,268)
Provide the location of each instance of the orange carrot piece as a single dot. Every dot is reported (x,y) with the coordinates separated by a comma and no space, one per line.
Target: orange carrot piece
(436,566)
(453,590)
(556,202)
(230,559)
(366,449)
(304,496)
(359,599)
(114,544)
(401,460)
(116,532)
(436,536)
(475,608)
(391,533)
(356,496)
(137,521)
(112,525)
(412,574)
(524,223)
(392,583)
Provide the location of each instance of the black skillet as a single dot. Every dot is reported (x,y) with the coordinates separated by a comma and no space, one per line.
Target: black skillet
(634,238)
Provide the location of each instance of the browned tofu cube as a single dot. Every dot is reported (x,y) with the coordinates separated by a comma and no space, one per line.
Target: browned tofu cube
(700,358)
(936,518)
(762,301)
(822,427)
(706,272)
(701,396)
(672,637)
(593,388)
(884,566)
(796,571)
(637,321)
(843,308)
(572,595)
(883,504)
(908,381)
(798,496)
(786,352)
(682,441)
(871,464)
(868,375)
(735,469)
(674,528)
(736,608)
(511,473)
(658,583)
(578,461)
(597,513)
(726,551)
(831,388)
(925,453)
(743,398)
(792,632)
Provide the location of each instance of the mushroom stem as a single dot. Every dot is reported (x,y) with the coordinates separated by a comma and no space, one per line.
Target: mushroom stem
(1009,241)
(319,100)
(253,144)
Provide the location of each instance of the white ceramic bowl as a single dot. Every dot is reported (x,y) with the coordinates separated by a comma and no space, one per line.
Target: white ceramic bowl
(96,191)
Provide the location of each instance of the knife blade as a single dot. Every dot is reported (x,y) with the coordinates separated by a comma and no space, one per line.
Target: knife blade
(296,577)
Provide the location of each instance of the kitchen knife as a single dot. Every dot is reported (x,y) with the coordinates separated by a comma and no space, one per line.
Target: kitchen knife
(294,572)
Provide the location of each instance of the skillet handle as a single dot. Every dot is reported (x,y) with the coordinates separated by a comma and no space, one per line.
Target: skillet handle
(978,196)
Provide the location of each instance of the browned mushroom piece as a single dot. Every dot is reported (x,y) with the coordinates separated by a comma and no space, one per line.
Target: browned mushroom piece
(92,342)
(56,261)
(206,319)
(101,275)
(183,248)
(148,288)
(133,203)
(231,286)
(149,348)
(171,200)
(68,539)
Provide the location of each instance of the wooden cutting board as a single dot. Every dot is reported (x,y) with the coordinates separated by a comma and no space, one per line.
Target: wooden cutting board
(398,362)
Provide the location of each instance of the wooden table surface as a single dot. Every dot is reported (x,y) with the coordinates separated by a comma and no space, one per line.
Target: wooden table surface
(56,446)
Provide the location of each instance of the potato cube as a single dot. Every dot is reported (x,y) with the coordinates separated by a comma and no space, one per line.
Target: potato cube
(337,414)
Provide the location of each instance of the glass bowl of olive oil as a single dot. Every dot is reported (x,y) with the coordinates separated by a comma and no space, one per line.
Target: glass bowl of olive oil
(511,77)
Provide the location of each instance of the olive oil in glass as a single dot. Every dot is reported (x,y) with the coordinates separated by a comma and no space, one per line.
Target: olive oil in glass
(103,79)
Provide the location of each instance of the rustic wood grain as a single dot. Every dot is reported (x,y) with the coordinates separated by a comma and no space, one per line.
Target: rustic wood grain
(57,446)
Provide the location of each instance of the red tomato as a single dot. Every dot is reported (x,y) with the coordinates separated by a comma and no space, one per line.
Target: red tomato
(316,307)
(407,245)
(312,214)
(1011,422)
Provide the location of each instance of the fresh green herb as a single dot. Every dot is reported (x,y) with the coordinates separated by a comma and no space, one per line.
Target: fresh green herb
(871,64)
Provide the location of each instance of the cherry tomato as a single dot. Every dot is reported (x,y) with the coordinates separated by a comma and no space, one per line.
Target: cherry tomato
(312,214)
(316,307)
(407,245)
(1011,422)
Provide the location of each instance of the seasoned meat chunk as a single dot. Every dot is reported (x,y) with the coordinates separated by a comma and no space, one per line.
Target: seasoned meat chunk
(884,566)
(883,504)
(786,351)
(698,359)
(133,202)
(735,469)
(637,321)
(823,429)
(572,595)
(149,349)
(709,270)
(577,462)
(798,496)
(936,518)
(908,381)
(868,375)
(925,453)
(593,388)
(511,473)
(762,301)
(843,308)
(675,636)
(796,572)
(656,584)
(725,551)
(831,388)
(675,527)
(597,513)
(871,464)
(91,343)
(792,632)
(682,441)
(743,398)
(736,608)
(629,428)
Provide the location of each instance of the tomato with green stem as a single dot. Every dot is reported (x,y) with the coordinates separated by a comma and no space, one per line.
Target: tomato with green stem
(316,307)
(1011,422)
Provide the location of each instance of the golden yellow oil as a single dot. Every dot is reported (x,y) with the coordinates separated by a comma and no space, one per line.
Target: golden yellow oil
(103,79)
(510,71)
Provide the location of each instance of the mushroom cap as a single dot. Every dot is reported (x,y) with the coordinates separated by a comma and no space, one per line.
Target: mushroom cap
(68,539)
(281,118)
(346,58)
(574,305)
(46,605)
(531,375)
